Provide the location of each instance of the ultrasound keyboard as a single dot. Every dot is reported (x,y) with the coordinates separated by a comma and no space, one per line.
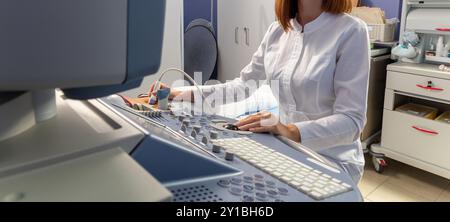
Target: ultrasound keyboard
(245,167)
(314,183)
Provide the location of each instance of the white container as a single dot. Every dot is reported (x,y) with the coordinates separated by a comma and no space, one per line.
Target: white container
(446,51)
(382,32)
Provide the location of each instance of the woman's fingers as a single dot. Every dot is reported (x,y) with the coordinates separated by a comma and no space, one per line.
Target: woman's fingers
(250,119)
(252,125)
(266,115)
(161,86)
(263,129)
(138,100)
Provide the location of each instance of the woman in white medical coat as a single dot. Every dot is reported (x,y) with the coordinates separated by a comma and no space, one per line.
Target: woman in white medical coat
(320,57)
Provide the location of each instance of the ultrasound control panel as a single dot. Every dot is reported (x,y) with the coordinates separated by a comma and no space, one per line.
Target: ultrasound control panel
(203,158)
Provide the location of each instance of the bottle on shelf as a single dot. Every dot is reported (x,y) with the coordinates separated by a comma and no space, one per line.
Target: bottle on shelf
(440,46)
(446,52)
(432,49)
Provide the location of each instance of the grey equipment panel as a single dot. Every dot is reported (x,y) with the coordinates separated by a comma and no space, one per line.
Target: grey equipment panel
(107,176)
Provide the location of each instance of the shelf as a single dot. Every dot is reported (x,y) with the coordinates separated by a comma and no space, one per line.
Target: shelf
(433,32)
(385,44)
(379,52)
(438,59)
(415,96)
(428,4)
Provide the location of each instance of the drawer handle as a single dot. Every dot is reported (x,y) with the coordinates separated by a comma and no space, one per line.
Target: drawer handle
(425,131)
(443,29)
(236,35)
(430,88)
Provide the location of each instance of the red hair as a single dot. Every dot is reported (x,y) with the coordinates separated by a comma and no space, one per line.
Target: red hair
(288,9)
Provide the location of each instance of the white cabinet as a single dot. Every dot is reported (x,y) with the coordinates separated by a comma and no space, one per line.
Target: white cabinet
(241,28)
(422,139)
(417,141)
(418,84)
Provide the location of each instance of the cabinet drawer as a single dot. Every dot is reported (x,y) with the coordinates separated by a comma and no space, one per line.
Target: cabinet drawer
(420,85)
(417,137)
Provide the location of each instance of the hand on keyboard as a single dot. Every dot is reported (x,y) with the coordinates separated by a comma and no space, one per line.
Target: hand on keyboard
(266,122)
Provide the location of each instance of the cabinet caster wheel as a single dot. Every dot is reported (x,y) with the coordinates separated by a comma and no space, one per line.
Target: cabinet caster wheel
(379,164)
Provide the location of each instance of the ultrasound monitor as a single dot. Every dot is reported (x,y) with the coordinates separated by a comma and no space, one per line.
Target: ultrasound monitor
(85,49)
(77,44)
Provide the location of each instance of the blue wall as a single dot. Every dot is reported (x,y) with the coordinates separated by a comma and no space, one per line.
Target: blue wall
(194,9)
(393,8)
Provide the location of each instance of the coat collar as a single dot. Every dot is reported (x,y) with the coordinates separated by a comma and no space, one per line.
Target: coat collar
(311,26)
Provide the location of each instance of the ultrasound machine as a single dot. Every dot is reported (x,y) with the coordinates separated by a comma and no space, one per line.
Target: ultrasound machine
(83,142)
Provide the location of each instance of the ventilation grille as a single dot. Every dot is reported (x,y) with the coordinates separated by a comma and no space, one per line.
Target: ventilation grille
(195,194)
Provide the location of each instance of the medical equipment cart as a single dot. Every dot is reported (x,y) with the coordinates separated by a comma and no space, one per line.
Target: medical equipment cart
(420,142)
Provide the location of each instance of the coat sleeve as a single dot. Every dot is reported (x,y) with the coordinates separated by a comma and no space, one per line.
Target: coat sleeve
(242,87)
(346,123)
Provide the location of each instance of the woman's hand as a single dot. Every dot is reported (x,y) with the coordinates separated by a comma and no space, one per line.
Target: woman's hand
(173,92)
(175,95)
(266,122)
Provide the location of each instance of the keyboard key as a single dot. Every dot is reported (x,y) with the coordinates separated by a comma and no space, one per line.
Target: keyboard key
(271,184)
(336,180)
(261,196)
(309,180)
(286,178)
(305,189)
(259,177)
(346,185)
(316,195)
(236,181)
(272,193)
(236,191)
(260,186)
(318,185)
(248,179)
(248,199)
(224,183)
(326,176)
(249,188)
(318,172)
(295,183)
(283,191)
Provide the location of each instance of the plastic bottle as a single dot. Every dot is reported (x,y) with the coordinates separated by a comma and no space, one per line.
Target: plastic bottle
(432,49)
(440,46)
(446,52)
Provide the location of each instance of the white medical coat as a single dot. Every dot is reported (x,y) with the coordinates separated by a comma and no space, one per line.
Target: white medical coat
(323,74)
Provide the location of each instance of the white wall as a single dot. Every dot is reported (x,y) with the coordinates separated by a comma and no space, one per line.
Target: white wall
(172,55)
(257,15)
